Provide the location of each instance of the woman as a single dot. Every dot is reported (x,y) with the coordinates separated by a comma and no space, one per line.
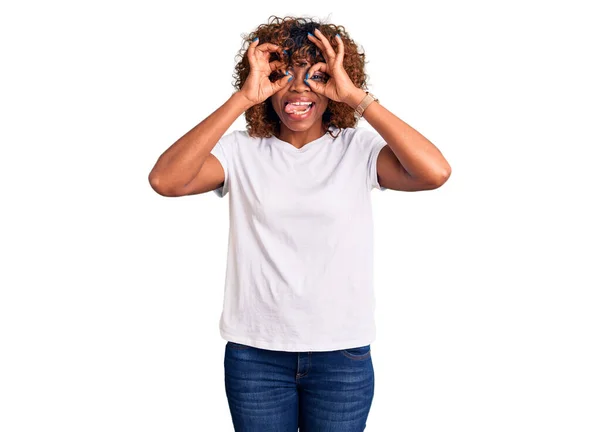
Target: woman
(298,306)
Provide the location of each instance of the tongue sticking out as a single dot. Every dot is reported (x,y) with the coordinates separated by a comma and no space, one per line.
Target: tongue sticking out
(290,108)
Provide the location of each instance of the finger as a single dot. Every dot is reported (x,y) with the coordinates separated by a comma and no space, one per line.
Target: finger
(281,83)
(318,67)
(268,47)
(251,51)
(326,45)
(321,47)
(315,86)
(318,87)
(276,64)
(339,61)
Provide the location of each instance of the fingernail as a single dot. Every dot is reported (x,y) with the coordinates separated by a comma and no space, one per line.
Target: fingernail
(338,35)
(310,34)
(306,76)
(287,72)
(255,39)
(290,78)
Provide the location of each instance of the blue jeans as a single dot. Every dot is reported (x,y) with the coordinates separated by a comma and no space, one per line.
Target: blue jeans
(279,391)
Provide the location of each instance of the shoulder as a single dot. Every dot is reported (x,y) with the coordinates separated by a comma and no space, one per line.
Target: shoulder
(361,137)
(235,136)
(233,139)
(358,134)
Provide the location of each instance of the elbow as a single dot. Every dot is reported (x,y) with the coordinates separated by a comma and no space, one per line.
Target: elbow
(441,177)
(158,186)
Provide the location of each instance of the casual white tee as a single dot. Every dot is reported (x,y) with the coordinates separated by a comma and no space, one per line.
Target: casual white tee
(300,256)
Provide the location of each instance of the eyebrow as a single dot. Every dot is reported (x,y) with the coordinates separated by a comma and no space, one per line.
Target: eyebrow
(303,61)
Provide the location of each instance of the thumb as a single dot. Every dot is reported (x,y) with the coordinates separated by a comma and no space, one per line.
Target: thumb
(281,83)
(315,86)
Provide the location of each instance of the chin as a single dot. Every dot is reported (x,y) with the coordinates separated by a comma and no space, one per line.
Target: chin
(299,127)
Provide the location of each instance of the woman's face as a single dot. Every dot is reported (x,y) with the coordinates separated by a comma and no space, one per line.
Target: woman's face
(291,102)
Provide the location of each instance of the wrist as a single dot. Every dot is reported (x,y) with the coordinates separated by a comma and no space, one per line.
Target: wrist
(356,98)
(241,100)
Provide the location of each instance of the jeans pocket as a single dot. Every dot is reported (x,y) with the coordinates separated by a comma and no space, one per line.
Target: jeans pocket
(358,353)
(237,346)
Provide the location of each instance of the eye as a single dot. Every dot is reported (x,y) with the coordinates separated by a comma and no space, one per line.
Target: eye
(319,77)
(276,75)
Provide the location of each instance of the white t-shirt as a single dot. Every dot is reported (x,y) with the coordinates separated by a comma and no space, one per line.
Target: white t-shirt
(300,256)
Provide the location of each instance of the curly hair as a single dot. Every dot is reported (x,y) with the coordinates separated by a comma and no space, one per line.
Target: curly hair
(291,33)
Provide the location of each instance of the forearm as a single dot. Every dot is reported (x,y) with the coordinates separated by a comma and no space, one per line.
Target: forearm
(180,163)
(419,157)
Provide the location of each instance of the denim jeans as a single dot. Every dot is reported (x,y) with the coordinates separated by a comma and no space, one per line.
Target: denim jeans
(279,391)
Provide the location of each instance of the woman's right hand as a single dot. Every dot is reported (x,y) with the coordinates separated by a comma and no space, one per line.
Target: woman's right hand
(258,87)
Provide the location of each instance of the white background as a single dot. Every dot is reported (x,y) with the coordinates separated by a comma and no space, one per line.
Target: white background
(487,288)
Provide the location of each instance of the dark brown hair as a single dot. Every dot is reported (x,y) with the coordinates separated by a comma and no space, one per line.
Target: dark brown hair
(292,34)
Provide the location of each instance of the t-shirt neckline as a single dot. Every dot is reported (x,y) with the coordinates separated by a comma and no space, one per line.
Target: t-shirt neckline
(291,149)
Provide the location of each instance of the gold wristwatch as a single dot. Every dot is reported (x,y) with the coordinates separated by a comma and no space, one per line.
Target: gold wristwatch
(368,99)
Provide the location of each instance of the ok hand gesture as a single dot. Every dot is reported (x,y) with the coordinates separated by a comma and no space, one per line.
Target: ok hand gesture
(339,87)
(258,87)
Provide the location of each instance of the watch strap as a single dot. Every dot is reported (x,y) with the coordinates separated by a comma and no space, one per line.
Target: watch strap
(367,100)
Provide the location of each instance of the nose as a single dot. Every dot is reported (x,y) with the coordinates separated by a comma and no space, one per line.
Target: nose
(297,83)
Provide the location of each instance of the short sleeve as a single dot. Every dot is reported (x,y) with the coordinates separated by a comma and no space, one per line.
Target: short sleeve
(375,144)
(223,152)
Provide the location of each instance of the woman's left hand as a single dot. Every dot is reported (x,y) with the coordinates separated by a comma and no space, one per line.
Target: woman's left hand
(339,87)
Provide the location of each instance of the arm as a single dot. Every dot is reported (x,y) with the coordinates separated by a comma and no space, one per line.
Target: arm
(181,169)
(409,161)
(187,167)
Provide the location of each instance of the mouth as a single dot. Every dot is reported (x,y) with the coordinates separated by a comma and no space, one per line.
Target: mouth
(298,111)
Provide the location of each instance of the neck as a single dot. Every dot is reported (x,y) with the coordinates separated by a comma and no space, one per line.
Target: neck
(300,138)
